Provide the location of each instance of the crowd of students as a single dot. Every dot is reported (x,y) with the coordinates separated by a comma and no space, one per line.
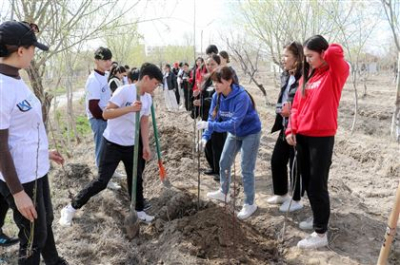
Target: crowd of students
(306,121)
(225,113)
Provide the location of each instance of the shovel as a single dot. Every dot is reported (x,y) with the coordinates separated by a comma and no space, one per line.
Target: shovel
(132,221)
(390,230)
(163,173)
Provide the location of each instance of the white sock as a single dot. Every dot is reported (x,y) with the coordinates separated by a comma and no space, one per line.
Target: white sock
(70,208)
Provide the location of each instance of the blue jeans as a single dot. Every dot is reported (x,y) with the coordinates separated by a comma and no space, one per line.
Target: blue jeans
(248,145)
(98,126)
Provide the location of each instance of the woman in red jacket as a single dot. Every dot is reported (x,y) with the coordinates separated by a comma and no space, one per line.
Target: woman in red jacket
(312,127)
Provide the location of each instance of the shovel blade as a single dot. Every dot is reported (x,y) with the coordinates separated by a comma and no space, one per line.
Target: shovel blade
(166,183)
(132,225)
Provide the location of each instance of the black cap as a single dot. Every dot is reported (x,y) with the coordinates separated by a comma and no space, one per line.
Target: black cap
(19,34)
(103,54)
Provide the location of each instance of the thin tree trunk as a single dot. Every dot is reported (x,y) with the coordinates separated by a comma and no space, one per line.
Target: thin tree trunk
(396,114)
(353,126)
(70,111)
(37,86)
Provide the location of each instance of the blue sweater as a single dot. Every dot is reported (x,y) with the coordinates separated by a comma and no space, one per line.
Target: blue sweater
(236,114)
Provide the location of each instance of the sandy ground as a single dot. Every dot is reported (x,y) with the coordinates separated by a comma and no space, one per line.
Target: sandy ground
(363,180)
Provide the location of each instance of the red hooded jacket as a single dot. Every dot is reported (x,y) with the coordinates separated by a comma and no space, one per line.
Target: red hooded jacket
(200,72)
(315,114)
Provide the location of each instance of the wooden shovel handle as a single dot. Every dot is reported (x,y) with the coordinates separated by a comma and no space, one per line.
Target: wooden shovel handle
(390,230)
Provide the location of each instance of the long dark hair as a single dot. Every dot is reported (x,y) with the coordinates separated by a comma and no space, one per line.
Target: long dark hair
(216,58)
(297,50)
(315,43)
(116,69)
(225,73)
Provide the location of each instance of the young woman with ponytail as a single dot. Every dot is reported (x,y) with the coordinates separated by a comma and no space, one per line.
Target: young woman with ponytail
(116,77)
(24,149)
(233,111)
(312,128)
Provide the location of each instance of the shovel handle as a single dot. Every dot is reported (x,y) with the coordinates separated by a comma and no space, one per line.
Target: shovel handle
(135,152)
(390,230)
(153,118)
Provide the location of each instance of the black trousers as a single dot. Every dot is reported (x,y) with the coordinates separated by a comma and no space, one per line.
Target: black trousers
(110,157)
(3,211)
(282,155)
(178,97)
(43,239)
(213,150)
(315,159)
(188,93)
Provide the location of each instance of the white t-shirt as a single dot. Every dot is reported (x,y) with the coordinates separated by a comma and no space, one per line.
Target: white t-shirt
(121,130)
(97,88)
(125,80)
(21,114)
(285,95)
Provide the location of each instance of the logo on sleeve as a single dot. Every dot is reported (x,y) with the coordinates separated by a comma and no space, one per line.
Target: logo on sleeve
(128,104)
(227,114)
(24,106)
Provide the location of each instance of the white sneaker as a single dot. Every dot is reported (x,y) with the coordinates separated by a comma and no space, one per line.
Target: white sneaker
(278,199)
(218,195)
(113,186)
(145,217)
(307,224)
(294,206)
(247,211)
(67,213)
(118,175)
(314,241)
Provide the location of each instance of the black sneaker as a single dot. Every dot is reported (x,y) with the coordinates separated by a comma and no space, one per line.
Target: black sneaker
(216,177)
(6,241)
(209,172)
(62,261)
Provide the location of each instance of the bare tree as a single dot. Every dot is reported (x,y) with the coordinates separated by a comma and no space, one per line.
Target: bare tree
(392,13)
(248,58)
(78,21)
(274,23)
(124,43)
(351,19)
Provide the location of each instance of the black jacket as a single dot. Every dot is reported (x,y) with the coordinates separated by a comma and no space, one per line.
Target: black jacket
(184,80)
(171,81)
(207,91)
(278,125)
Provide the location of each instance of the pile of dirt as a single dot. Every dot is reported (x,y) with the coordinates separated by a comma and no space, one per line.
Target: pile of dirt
(184,232)
(212,235)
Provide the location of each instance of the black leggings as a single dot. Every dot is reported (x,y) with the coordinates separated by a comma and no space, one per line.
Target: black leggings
(282,155)
(3,211)
(315,158)
(213,150)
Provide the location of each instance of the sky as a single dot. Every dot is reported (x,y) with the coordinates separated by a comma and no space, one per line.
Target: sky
(178,18)
(172,22)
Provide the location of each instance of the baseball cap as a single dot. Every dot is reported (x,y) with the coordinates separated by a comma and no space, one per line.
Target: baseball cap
(20,34)
(102,54)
